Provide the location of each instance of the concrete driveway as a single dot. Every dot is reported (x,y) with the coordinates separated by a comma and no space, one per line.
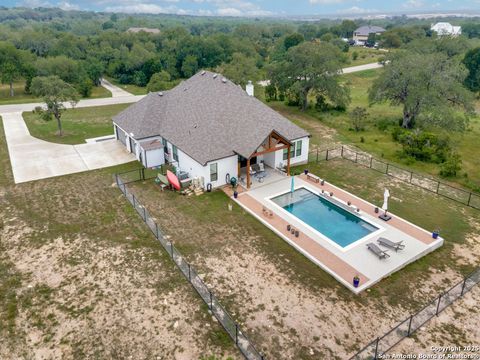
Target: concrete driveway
(34,159)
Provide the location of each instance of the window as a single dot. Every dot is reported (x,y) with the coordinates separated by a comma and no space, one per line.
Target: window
(175,153)
(299,148)
(213,172)
(292,152)
(165,147)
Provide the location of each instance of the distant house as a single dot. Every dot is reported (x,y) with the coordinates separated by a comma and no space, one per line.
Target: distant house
(362,33)
(143,29)
(446,29)
(211,129)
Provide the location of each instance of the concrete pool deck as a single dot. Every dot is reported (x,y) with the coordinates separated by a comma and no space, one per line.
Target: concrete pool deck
(355,259)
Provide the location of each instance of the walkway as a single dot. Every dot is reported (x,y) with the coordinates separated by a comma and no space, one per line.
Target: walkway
(34,159)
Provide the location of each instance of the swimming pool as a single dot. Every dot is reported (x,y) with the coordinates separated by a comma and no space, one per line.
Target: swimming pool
(337,224)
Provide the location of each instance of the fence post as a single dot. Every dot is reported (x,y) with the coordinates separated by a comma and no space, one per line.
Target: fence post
(376,349)
(326,157)
(371,161)
(143,173)
(411,176)
(116,179)
(236,334)
(438,305)
(341,154)
(133,197)
(189,274)
(463,286)
(386,169)
(410,326)
(171,251)
(356,157)
(317,156)
(469,199)
(156,228)
(144,214)
(438,186)
(211,300)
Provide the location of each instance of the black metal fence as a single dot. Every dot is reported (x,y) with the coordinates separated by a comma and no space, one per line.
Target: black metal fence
(224,318)
(464,197)
(381,345)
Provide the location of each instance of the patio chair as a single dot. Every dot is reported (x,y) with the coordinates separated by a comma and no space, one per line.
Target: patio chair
(382,254)
(391,244)
(252,172)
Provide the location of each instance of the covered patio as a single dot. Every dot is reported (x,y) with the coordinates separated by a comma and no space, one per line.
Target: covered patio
(262,165)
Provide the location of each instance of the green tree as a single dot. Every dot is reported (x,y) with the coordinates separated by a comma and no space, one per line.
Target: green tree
(159,82)
(55,92)
(428,86)
(311,68)
(358,117)
(12,63)
(189,66)
(472,63)
(240,69)
(293,40)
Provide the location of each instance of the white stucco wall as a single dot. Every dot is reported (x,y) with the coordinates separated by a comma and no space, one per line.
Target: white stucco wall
(295,160)
(153,158)
(225,166)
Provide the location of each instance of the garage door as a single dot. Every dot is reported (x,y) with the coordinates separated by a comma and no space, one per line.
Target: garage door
(121,136)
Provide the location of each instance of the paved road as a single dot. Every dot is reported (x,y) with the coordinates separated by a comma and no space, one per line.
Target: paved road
(115,90)
(13,108)
(358,68)
(34,159)
(347,70)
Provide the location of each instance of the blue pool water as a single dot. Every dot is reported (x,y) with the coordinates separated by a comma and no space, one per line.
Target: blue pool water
(339,225)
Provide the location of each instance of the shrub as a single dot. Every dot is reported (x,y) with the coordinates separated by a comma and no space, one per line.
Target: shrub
(384,124)
(422,145)
(451,166)
(85,87)
(354,55)
(358,117)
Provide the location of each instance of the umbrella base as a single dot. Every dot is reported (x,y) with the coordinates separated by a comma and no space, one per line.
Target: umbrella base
(385,217)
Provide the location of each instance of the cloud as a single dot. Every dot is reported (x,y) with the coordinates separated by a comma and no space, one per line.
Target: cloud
(146,8)
(326,1)
(413,4)
(65,5)
(357,10)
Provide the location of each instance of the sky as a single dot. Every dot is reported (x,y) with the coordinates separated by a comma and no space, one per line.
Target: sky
(255,8)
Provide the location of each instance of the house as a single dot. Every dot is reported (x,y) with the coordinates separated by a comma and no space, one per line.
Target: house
(446,29)
(211,129)
(362,33)
(136,30)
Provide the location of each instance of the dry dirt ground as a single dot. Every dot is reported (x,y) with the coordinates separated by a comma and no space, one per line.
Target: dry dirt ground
(81,277)
(287,305)
(455,326)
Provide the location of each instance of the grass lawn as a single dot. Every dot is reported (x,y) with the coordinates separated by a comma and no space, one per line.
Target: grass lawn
(132,89)
(23,98)
(378,141)
(78,124)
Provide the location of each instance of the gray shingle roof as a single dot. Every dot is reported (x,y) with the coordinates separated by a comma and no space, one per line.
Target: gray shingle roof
(367,29)
(207,118)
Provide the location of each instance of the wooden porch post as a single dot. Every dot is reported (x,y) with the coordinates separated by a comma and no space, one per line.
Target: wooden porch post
(288,160)
(248,173)
(239,169)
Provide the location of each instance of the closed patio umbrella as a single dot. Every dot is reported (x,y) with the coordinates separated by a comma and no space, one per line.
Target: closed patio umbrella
(293,184)
(384,216)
